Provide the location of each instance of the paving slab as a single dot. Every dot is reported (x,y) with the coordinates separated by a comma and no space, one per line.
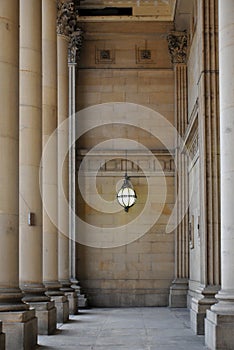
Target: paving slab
(125,329)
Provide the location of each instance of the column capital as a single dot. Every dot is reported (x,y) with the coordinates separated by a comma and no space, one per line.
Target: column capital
(66,17)
(74,46)
(67,25)
(177,44)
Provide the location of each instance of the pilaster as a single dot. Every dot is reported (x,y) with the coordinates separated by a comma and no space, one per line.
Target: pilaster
(219,323)
(177,42)
(208,121)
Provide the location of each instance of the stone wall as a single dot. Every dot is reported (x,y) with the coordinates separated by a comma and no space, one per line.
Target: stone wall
(128,63)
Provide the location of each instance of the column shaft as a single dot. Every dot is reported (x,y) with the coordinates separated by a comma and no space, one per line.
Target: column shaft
(72,171)
(30,157)
(18,321)
(49,162)
(208,117)
(9,148)
(220,319)
(63,172)
(63,147)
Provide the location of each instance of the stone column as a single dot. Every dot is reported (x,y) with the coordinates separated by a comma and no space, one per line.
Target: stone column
(208,116)
(65,16)
(72,164)
(178,49)
(74,48)
(49,163)
(19,323)
(219,323)
(30,156)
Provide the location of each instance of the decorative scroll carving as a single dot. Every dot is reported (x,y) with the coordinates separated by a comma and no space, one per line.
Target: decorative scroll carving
(177,44)
(67,24)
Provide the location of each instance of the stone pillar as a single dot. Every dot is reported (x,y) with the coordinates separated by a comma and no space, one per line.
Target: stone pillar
(30,265)
(208,116)
(178,292)
(74,47)
(49,164)
(219,323)
(18,322)
(65,14)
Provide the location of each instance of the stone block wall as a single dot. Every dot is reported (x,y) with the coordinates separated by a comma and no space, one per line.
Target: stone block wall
(127,63)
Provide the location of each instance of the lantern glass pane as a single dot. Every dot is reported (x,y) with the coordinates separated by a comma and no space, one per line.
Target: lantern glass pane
(126,195)
(131,201)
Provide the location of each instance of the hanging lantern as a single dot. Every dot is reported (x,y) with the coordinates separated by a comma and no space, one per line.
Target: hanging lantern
(126,195)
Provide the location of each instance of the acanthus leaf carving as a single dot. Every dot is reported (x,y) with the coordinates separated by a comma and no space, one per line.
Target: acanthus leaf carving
(74,46)
(177,44)
(67,25)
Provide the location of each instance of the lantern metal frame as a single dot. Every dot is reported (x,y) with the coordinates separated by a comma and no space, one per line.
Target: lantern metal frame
(126,195)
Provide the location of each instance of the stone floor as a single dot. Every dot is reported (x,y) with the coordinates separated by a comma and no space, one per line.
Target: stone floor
(125,329)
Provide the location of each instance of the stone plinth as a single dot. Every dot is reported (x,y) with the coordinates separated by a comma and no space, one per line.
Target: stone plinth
(62,306)
(199,305)
(46,314)
(21,330)
(178,293)
(73,302)
(197,316)
(219,330)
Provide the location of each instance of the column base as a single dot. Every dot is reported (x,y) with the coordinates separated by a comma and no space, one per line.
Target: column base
(60,300)
(73,302)
(178,293)
(20,328)
(47,316)
(219,331)
(219,323)
(82,300)
(199,306)
(62,306)
(2,338)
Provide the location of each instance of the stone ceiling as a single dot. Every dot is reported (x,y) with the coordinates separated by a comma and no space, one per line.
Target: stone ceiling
(158,10)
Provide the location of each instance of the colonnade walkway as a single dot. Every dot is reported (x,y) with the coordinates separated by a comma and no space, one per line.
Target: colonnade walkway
(125,329)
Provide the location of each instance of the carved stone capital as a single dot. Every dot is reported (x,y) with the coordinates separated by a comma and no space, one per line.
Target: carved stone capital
(177,44)
(66,17)
(74,46)
(67,25)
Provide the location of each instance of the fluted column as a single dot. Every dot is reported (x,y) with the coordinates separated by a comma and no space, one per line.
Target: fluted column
(30,157)
(178,49)
(63,31)
(16,317)
(49,164)
(219,324)
(208,121)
